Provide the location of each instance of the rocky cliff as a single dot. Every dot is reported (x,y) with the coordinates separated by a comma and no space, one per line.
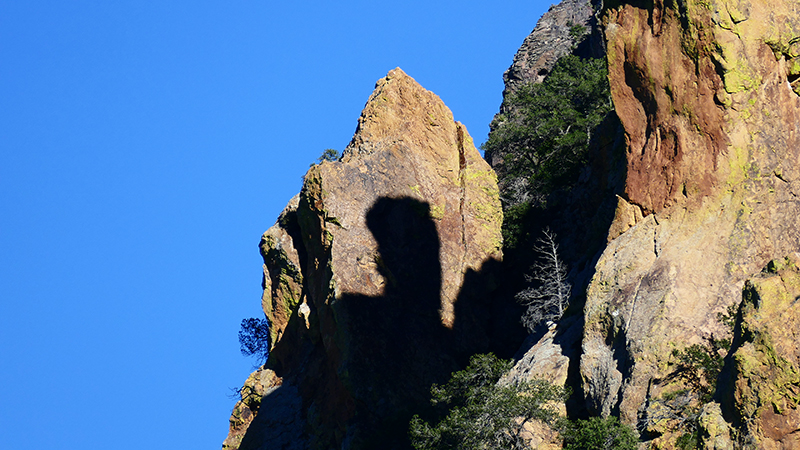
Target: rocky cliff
(705,91)
(560,31)
(377,281)
(381,276)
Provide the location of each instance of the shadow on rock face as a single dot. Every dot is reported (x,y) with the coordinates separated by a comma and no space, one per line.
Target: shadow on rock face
(358,383)
(397,344)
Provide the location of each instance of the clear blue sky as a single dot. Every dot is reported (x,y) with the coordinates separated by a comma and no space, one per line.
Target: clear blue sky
(144,148)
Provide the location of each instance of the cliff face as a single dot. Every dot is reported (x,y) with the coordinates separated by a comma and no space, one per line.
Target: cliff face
(704,92)
(379,277)
(376,280)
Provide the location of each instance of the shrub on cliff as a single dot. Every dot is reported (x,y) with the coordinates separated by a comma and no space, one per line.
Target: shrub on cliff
(254,338)
(480,414)
(329,154)
(546,127)
(598,433)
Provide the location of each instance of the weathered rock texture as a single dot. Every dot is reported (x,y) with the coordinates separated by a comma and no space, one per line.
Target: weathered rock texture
(549,41)
(764,380)
(376,280)
(707,94)
(704,92)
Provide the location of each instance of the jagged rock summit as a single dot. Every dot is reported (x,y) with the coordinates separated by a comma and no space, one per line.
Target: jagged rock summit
(375,280)
(550,40)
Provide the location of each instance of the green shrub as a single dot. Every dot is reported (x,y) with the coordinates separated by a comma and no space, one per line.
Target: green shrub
(480,414)
(546,127)
(688,440)
(329,155)
(477,413)
(598,434)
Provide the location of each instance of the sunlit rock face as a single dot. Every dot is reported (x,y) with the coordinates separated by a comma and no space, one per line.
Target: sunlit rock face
(761,388)
(377,280)
(704,92)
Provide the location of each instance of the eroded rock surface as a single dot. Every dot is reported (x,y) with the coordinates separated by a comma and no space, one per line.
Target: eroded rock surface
(711,123)
(765,359)
(705,91)
(377,278)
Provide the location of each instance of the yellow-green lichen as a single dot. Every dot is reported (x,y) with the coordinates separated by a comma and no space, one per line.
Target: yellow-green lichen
(437,212)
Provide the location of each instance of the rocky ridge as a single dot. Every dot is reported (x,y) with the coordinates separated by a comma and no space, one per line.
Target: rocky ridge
(704,197)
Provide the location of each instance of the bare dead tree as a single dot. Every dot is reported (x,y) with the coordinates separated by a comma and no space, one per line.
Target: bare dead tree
(549,296)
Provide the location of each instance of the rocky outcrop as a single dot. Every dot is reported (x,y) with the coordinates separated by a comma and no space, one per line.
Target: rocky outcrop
(550,40)
(704,92)
(763,385)
(377,280)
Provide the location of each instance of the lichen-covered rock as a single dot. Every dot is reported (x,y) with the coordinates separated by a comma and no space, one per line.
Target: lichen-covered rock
(766,358)
(713,170)
(715,432)
(378,278)
(704,90)
(283,277)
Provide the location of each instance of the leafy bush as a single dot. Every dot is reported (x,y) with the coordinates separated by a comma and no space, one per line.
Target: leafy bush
(329,155)
(482,414)
(546,128)
(598,434)
(688,440)
(254,338)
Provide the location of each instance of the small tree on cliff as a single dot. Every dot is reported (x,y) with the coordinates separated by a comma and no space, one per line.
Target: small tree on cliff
(329,154)
(254,338)
(549,299)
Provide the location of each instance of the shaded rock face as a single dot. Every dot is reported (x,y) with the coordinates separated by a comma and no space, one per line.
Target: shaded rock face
(710,193)
(378,280)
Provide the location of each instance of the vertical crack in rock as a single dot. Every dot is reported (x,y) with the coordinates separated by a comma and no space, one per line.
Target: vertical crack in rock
(655,242)
(462,174)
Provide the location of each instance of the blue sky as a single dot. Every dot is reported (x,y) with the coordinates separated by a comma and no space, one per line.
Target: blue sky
(144,148)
